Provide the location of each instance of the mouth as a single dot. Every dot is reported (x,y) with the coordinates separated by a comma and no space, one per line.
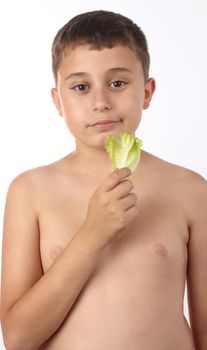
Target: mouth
(105,124)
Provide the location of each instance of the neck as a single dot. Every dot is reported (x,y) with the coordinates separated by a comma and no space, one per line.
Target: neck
(92,161)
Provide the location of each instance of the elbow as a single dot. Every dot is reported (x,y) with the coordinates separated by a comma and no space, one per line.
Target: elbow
(10,342)
(13,341)
(15,337)
(10,333)
(8,336)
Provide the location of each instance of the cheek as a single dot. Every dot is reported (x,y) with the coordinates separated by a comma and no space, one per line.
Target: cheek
(134,98)
(74,114)
(138,98)
(69,105)
(131,108)
(72,109)
(132,104)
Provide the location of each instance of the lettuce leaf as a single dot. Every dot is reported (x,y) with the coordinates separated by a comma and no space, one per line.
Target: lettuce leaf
(124,152)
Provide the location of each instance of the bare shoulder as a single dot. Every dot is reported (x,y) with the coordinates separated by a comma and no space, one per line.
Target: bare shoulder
(175,173)
(188,185)
(34,176)
(36,179)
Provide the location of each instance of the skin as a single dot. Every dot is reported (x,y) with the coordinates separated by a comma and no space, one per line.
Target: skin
(99,258)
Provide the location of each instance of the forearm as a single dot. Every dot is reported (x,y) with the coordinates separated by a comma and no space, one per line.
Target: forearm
(39,313)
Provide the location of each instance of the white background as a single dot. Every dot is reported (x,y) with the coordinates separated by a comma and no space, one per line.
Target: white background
(174,128)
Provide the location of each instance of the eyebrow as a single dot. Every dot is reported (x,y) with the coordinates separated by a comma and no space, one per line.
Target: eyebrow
(82,74)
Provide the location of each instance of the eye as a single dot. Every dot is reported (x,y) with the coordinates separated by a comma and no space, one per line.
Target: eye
(118,83)
(80,87)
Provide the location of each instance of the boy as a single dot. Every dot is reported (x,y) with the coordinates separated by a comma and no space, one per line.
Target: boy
(99,258)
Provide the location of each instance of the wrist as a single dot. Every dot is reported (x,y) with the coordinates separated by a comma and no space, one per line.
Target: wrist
(91,240)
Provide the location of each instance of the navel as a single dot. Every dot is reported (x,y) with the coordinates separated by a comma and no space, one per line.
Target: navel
(55,252)
(160,249)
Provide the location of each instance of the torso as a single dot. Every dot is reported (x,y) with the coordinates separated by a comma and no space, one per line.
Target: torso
(134,298)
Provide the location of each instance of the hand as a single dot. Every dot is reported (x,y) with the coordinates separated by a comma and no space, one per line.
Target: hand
(112,207)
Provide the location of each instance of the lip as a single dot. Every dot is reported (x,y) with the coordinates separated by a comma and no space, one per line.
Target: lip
(105,124)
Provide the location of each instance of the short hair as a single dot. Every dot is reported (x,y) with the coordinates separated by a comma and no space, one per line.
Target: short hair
(100,29)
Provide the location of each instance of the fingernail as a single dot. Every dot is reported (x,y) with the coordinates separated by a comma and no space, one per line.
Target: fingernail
(127,171)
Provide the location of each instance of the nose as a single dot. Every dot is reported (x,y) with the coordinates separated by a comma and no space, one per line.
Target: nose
(101,101)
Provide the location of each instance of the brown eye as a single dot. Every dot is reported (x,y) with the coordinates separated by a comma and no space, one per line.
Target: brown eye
(80,87)
(118,83)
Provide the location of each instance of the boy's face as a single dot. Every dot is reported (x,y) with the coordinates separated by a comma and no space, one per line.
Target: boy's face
(101,92)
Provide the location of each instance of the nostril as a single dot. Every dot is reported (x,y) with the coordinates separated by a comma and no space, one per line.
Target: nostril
(101,107)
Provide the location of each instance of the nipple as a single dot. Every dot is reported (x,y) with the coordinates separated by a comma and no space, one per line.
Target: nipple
(55,252)
(160,249)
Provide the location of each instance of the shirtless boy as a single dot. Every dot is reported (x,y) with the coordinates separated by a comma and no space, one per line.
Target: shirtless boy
(95,258)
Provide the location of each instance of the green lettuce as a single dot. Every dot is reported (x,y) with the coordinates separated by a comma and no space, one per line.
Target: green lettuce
(124,152)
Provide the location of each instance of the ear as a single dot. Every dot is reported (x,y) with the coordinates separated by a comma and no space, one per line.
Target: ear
(149,89)
(56,100)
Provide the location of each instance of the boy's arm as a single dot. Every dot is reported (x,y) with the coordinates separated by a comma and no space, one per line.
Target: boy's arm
(197,263)
(35,305)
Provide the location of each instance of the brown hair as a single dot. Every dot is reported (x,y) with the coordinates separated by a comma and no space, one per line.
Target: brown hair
(100,29)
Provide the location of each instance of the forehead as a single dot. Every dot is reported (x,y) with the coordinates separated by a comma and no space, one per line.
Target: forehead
(82,58)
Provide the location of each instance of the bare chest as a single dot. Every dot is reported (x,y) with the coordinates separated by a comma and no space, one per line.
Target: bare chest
(138,277)
(155,241)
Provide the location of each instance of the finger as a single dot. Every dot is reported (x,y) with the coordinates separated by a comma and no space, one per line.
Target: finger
(130,215)
(127,202)
(132,212)
(123,189)
(115,178)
